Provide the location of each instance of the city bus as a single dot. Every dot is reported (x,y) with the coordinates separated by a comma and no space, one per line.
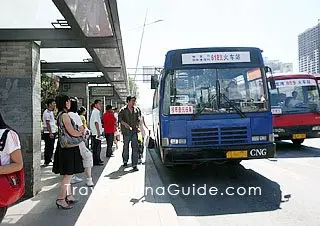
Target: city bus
(212,104)
(295,107)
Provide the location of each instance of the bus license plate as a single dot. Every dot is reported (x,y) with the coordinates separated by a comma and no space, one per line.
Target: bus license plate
(299,136)
(237,154)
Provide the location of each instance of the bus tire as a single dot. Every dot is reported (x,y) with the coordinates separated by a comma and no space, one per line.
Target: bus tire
(297,142)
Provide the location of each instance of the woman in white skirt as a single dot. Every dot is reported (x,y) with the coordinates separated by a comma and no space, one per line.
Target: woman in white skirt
(84,151)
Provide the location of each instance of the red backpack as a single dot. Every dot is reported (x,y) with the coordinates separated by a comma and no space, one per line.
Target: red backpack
(12,184)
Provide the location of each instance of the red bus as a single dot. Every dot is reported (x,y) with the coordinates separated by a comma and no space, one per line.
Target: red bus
(295,105)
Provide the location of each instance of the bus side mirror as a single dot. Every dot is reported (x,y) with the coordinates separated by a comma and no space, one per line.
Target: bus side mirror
(268,69)
(272,83)
(271,78)
(154,82)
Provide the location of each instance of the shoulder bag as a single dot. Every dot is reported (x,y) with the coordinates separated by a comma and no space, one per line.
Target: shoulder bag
(12,185)
(65,139)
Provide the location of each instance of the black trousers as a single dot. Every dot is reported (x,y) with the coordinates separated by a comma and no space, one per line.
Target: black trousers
(48,147)
(96,150)
(109,137)
(3,211)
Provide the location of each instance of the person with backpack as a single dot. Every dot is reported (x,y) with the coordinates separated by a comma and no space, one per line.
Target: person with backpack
(10,162)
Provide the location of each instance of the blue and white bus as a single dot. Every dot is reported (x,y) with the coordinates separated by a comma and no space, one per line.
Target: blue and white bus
(212,104)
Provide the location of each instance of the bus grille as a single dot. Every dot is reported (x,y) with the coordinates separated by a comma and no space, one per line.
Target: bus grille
(219,136)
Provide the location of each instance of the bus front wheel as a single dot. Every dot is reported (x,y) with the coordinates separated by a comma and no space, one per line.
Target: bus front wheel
(297,142)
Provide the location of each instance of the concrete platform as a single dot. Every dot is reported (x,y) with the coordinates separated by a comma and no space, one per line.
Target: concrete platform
(124,197)
(120,197)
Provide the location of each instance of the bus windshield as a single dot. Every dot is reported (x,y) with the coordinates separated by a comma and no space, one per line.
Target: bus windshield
(295,96)
(212,90)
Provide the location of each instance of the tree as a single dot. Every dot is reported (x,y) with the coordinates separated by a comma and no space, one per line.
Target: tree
(49,89)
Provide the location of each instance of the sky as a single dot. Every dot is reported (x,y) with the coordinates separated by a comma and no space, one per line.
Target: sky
(272,25)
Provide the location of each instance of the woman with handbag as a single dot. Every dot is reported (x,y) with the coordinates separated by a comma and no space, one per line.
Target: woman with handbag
(67,158)
(10,162)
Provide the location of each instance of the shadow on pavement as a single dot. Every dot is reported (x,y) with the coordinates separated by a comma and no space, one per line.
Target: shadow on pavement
(264,194)
(289,150)
(119,173)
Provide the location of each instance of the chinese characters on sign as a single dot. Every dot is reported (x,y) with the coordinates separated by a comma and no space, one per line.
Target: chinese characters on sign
(295,82)
(176,110)
(215,57)
(276,111)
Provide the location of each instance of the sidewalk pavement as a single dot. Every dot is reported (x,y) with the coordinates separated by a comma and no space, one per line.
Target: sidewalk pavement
(120,197)
(41,209)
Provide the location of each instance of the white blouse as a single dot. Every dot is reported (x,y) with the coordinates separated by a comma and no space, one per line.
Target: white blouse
(12,144)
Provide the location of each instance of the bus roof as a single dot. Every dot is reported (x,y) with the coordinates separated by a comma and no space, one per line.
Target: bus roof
(205,58)
(299,75)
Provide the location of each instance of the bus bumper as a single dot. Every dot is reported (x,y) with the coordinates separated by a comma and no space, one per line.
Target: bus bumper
(295,132)
(204,154)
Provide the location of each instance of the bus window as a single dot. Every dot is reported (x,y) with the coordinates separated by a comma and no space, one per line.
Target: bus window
(296,95)
(197,88)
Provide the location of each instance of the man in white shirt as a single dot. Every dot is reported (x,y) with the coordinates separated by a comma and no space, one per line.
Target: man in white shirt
(49,131)
(96,131)
(117,133)
(116,113)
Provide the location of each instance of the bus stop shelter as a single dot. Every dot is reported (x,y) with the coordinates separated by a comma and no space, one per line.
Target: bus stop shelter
(93,25)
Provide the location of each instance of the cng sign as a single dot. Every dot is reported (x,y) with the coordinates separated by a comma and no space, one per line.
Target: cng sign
(258,152)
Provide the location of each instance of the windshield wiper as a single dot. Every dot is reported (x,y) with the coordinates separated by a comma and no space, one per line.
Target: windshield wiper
(199,111)
(233,106)
(228,101)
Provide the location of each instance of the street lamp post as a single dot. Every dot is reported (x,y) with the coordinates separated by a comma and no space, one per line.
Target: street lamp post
(144,25)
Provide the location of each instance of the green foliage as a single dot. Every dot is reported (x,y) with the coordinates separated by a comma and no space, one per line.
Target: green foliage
(49,89)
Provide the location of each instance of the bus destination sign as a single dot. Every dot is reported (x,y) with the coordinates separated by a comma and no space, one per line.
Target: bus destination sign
(216,57)
(296,82)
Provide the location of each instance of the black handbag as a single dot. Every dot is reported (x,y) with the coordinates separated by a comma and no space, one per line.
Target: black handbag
(150,143)
(65,139)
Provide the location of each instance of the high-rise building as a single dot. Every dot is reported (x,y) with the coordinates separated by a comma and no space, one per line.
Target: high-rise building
(309,47)
(277,66)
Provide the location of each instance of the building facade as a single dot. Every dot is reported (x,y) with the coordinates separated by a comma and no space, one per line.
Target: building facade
(309,47)
(277,66)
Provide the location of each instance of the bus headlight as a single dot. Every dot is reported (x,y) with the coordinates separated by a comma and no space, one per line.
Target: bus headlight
(316,128)
(178,141)
(174,141)
(259,138)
